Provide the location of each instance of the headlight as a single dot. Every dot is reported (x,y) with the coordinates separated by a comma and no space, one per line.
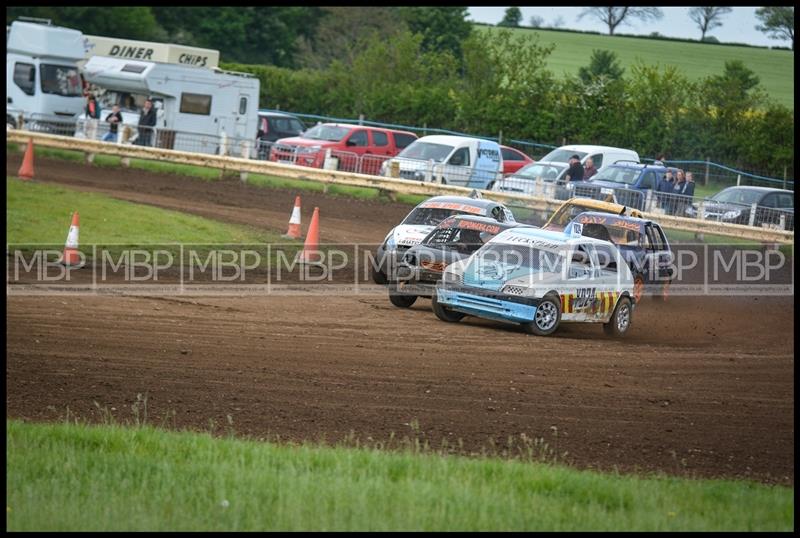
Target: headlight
(731,214)
(390,242)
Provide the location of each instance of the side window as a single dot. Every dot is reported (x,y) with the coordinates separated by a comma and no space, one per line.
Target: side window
(597,160)
(401,140)
(785,201)
(193,103)
(654,238)
(510,155)
(358,139)
(460,157)
(379,138)
(25,77)
(242,106)
(770,200)
(649,181)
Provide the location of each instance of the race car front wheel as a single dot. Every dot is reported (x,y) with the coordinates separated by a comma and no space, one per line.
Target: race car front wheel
(620,320)
(400,300)
(547,317)
(445,314)
(379,277)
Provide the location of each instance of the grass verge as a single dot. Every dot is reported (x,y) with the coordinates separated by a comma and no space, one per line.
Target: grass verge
(78,477)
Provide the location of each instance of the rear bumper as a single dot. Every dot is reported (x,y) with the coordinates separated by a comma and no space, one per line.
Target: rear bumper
(487,304)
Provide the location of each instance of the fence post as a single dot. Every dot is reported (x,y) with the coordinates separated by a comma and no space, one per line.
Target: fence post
(738,179)
(425,129)
(784,177)
(648,200)
(429,170)
(500,137)
(361,119)
(705,180)
(752,220)
(701,209)
(563,140)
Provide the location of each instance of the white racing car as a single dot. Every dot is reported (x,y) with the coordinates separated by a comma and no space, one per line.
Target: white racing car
(538,279)
(422,220)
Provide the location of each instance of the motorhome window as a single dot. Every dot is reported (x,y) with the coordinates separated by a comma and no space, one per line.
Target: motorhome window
(193,103)
(402,140)
(426,151)
(380,139)
(133,68)
(358,138)
(460,157)
(243,106)
(563,155)
(25,77)
(60,80)
(331,133)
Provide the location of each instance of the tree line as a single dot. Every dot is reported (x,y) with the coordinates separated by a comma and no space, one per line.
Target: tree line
(501,84)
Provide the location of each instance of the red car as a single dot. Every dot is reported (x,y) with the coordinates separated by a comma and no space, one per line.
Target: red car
(513,160)
(357,148)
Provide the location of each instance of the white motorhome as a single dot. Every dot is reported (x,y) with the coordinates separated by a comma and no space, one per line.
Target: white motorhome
(195,106)
(43,82)
(455,160)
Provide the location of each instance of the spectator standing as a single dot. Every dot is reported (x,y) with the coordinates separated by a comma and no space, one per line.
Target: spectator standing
(114,119)
(147,121)
(92,115)
(660,160)
(688,189)
(588,169)
(665,189)
(575,172)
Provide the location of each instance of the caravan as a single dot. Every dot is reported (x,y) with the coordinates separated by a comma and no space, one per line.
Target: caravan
(197,109)
(44,90)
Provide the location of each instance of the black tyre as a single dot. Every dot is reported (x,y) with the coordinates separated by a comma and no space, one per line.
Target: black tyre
(547,317)
(621,319)
(445,314)
(379,277)
(400,300)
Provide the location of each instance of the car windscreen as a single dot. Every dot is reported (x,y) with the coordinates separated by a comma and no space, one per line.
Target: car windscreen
(61,80)
(430,216)
(331,133)
(514,257)
(563,155)
(546,171)
(737,196)
(426,151)
(618,174)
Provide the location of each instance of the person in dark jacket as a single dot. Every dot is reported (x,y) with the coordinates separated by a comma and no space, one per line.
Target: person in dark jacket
(113,119)
(575,172)
(665,190)
(147,121)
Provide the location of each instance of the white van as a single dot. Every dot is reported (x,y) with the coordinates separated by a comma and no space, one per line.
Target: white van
(455,160)
(553,167)
(600,155)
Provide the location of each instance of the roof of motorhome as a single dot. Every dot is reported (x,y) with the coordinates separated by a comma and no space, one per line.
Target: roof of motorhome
(45,40)
(451,140)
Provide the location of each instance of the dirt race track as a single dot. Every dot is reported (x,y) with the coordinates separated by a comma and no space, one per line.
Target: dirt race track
(701,387)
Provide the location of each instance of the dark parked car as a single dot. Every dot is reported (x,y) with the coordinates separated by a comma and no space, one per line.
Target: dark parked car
(454,239)
(273,126)
(735,204)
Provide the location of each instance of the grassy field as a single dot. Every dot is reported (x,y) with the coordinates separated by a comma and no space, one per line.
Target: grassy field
(37,213)
(76,477)
(775,68)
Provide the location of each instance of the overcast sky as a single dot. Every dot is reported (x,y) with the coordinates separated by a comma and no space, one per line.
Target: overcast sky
(738,26)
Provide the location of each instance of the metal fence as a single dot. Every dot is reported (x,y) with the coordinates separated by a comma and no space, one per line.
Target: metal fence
(705,171)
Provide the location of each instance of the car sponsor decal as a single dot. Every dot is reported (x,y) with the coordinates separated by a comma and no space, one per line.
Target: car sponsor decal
(611,221)
(597,303)
(533,241)
(454,205)
(434,266)
(480,226)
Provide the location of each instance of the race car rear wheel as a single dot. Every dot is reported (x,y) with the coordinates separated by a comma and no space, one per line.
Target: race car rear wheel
(621,319)
(547,317)
(445,314)
(400,300)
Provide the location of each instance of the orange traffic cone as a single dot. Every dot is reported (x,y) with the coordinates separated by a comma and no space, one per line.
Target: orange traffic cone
(310,253)
(71,256)
(26,170)
(294,222)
